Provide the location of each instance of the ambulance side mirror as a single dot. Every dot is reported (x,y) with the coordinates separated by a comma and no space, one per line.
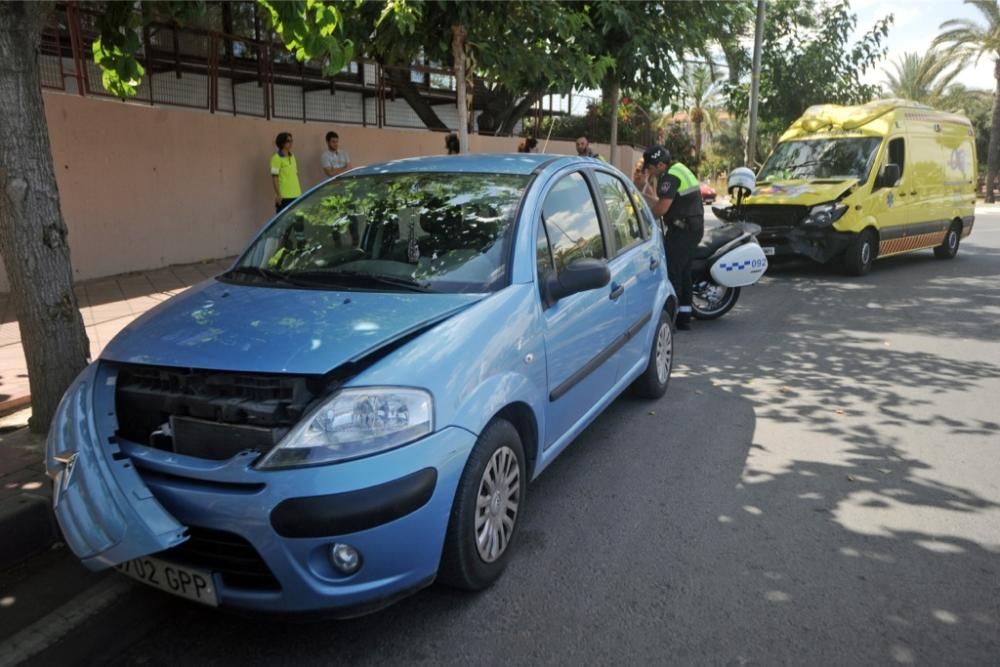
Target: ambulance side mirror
(889,176)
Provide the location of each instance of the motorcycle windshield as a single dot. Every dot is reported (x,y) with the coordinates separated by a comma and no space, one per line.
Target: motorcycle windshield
(106,513)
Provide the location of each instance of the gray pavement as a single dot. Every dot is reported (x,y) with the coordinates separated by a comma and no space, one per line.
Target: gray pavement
(820,485)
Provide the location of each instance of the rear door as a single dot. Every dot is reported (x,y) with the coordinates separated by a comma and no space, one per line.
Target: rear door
(582,331)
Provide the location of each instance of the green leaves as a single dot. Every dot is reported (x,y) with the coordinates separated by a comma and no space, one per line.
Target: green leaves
(115,48)
(310,29)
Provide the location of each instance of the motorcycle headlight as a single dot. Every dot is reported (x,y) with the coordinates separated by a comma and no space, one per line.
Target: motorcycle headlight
(354,423)
(825,215)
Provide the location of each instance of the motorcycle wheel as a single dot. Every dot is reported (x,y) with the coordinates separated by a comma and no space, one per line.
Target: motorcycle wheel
(710,301)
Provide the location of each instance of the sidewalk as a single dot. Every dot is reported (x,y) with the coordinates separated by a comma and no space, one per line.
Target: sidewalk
(107,305)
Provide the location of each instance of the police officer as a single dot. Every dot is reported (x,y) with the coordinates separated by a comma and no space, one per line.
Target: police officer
(676,199)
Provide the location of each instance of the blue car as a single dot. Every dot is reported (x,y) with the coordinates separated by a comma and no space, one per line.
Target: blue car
(355,408)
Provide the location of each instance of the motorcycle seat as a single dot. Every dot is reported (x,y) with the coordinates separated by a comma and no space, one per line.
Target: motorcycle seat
(715,239)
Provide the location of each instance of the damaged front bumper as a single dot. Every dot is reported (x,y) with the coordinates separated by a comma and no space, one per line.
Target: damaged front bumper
(821,244)
(264,535)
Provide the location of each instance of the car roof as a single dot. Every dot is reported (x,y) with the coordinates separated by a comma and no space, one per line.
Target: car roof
(476,163)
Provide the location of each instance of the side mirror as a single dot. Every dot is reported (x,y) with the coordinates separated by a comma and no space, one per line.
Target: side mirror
(889,176)
(580,276)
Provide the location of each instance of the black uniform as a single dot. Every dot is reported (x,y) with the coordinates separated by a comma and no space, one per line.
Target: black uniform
(683,225)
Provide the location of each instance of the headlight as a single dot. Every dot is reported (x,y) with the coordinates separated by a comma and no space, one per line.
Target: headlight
(825,215)
(354,423)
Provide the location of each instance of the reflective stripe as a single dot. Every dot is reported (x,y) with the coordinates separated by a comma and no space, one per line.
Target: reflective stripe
(688,181)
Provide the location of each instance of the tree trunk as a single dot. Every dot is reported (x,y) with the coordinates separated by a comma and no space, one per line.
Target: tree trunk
(458,51)
(33,236)
(993,154)
(697,142)
(400,79)
(615,95)
(519,111)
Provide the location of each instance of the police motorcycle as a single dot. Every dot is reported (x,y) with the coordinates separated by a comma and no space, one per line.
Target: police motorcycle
(729,257)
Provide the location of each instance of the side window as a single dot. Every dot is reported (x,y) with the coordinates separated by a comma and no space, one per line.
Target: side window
(897,154)
(543,255)
(571,222)
(624,220)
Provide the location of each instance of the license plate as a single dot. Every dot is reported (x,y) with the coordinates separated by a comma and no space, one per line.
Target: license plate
(186,582)
(768,250)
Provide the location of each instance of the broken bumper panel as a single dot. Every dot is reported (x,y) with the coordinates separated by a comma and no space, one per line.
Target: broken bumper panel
(106,513)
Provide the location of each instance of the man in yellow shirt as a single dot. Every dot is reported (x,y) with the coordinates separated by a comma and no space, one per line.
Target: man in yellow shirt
(284,173)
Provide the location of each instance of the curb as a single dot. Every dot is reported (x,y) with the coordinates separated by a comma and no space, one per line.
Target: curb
(14,404)
(28,526)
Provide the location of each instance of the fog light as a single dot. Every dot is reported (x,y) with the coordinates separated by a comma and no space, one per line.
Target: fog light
(345,558)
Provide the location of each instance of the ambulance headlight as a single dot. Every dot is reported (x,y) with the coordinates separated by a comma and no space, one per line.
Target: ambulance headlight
(825,215)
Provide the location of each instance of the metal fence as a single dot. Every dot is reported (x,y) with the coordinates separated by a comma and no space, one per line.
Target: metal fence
(244,70)
(220,72)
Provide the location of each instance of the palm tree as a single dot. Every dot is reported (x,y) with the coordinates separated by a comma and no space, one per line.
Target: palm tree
(702,95)
(972,39)
(923,78)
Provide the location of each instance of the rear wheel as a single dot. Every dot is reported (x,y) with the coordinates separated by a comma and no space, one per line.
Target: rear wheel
(488,504)
(860,254)
(710,301)
(949,247)
(654,380)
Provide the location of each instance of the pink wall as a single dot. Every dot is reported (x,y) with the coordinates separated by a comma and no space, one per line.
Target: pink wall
(144,187)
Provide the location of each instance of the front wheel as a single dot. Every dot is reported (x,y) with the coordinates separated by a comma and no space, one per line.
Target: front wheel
(488,504)
(710,301)
(949,247)
(860,254)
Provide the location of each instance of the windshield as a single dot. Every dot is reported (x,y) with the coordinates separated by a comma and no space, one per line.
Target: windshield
(436,232)
(821,159)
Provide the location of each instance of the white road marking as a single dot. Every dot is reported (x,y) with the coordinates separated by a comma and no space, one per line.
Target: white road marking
(58,623)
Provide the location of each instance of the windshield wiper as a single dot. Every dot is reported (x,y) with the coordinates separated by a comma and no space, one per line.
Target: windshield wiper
(261,272)
(364,277)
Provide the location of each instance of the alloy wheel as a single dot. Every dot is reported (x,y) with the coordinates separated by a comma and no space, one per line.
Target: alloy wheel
(497,504)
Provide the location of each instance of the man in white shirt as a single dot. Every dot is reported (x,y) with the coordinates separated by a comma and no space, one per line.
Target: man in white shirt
(334,160)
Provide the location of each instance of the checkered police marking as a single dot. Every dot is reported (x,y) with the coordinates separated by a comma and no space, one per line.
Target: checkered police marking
(736,266)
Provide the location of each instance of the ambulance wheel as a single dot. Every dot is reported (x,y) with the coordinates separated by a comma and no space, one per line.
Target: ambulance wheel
(860,254)
(949,247)
(710,301)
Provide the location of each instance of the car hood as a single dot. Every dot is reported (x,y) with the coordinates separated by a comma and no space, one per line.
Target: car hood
(802,193)
(231,327)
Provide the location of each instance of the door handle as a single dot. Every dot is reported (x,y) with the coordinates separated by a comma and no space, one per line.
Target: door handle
(913,192)
(901,194)
(616,291)
(653,263)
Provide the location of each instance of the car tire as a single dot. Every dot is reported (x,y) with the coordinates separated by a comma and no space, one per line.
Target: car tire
(654,380)
(471,561)
(860,254)
(949,247)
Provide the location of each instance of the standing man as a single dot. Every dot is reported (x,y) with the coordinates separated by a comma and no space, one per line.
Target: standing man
(334,160)
(676,200)
(284,173)
(583,148)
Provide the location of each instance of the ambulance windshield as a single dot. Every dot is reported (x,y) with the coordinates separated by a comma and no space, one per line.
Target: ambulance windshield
(821,159)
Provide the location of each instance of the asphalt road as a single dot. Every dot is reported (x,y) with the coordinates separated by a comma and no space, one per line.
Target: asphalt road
(820,485)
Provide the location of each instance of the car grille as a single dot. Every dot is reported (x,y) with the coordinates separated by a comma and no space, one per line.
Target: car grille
(775,215)
(227,554)
(208,414)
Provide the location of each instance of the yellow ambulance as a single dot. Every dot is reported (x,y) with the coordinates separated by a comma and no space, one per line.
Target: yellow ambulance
(858,183)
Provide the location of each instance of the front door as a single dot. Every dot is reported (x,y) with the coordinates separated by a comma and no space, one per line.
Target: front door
(582,331)
(639,268)
(891,203)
